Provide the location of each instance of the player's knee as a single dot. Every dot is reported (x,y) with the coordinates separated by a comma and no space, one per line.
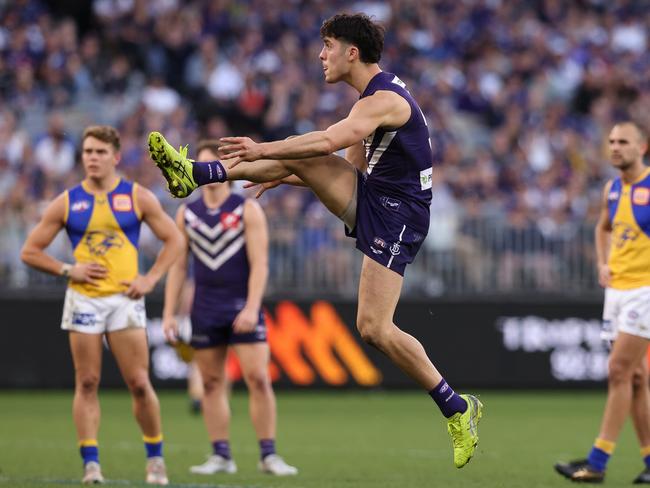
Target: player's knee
(620,372)
(88,383)
(213,382)
(371,331)
(258,382)
(139,385)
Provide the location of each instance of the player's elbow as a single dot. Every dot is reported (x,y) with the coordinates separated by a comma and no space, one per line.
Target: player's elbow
(27,254)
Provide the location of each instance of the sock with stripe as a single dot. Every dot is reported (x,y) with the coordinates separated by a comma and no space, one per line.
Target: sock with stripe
(153,445)
(600,453)
(89,450)
(645,454)
(267,447)
(447,400)
(208,172)
(221,448)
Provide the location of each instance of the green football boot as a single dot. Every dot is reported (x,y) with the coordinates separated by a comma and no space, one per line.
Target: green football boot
(176,167)
(463,429)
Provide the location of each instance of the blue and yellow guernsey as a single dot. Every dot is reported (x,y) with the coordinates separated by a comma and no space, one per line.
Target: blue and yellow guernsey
(104,228)
(629,215)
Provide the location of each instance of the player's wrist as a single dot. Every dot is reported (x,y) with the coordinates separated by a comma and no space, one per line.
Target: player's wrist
(66,270)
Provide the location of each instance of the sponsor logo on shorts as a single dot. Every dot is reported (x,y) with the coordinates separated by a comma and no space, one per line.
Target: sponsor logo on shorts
(633,315)
(83,318)
(200,339)
(641,196)
(391,203)
(80,206)
(395,249)
(122,202)
(426,178)
(375,250)
(379,242)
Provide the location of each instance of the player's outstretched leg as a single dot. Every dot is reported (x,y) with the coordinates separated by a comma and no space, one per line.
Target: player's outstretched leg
(176,167)
(463,429)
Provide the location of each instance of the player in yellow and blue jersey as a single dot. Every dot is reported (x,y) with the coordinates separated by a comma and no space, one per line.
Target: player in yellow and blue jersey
(623,250)
(105,295)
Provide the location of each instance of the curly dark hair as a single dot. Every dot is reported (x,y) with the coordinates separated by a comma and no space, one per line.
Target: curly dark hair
(358,30)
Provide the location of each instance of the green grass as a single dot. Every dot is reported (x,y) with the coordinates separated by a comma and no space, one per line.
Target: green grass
(374,439)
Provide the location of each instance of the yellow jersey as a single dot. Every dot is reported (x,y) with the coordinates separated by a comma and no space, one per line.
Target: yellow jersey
(629,215)
(104,228)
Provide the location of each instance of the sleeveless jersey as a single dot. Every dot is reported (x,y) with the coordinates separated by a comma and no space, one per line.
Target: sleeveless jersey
(218,245)
(400,160)
(629,215)
(104,228)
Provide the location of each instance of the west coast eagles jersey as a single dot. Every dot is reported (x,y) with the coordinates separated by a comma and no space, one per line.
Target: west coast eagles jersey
(629,215)
(104,228)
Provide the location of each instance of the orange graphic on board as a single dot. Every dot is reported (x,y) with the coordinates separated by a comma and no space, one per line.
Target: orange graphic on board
(319,346)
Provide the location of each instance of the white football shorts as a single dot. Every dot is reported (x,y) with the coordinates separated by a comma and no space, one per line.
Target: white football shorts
(626,311)
(97,315)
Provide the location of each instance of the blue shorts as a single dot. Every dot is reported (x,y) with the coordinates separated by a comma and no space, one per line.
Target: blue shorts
(380,233)
(217,330)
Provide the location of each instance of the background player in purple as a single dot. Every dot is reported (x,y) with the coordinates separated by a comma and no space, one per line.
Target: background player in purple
(228,238)
(381,190)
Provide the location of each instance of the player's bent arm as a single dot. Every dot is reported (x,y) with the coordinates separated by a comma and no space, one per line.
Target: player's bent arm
(603,229)
(177,271)
(257,250)
(33,252)
(164,229)
(382,109)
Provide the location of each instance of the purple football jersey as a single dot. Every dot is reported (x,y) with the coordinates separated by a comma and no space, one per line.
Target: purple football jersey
(400,160)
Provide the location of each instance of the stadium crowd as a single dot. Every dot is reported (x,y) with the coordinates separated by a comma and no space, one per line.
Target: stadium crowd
(519,97)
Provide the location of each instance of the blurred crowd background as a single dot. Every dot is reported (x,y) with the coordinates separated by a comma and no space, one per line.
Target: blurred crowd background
(519,97)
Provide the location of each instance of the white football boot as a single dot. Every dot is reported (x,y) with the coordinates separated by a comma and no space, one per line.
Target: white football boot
(215,464)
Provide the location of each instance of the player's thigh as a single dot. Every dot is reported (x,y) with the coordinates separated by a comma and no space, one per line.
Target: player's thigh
(131,351)
(379,291)
(86,352)
(211,362)
(332,178)
(628,351)
(253,358)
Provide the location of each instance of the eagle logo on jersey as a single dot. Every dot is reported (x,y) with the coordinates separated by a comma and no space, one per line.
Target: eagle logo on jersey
(99,242)
(622,233)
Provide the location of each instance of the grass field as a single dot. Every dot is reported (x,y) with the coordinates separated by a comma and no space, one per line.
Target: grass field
(343,440)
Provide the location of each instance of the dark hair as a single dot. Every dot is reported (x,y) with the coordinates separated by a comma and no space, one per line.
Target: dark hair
(211,145)
(104,133)
(358,30)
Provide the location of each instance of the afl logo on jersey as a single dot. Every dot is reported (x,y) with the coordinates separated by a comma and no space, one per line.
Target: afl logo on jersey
(229,220)
(80,206)
(122,202)
(641,196)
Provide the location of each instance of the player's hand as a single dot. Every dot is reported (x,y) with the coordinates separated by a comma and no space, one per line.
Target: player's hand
(238,149)
(170,329)
(246,320)
(89,273)
(139,287)
(604,275)
(263,186)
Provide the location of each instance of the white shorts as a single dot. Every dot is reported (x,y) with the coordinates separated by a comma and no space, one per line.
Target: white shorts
(97,315)
(626,311)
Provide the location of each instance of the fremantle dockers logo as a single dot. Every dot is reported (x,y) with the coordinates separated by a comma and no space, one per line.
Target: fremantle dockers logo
(99,242)
(622,233)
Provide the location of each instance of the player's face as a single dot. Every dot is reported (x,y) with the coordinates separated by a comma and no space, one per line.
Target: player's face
(625,146)
(99,158)
(334,57)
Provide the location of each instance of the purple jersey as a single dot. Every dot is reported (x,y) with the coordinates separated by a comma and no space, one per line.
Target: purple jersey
(218,245)
(400,160)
